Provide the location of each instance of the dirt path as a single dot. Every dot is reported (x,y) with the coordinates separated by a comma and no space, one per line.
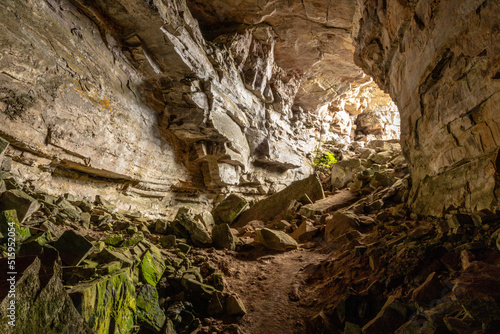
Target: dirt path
(270,287)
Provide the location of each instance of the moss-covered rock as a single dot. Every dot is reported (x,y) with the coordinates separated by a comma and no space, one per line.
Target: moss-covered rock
(10,223)
(223,237)
(149,312)
(152,266)
(197,232)
(18,200)
(42,303)
(113,240)
(134,239)
(229,209)
(197,288)
(107,304)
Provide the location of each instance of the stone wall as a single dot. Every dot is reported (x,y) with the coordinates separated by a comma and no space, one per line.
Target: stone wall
(440,62)
(134,101)
(71,106)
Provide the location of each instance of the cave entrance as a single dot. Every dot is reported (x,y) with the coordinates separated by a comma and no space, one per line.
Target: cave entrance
(361,114)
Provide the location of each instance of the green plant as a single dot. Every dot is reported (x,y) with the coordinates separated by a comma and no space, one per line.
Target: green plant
(325,160)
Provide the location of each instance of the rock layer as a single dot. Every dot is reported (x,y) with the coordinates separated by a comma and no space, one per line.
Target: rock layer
(439,60)
(141,103)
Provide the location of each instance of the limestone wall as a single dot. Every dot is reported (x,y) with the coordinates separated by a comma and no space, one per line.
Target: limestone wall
(440,62)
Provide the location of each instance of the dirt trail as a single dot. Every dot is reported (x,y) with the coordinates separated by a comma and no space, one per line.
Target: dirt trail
(270,287)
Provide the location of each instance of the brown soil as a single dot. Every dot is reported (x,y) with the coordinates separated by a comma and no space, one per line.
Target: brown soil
(271,287)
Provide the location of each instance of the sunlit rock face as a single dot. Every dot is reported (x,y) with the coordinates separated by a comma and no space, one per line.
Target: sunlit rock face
(440,62)
(70,105)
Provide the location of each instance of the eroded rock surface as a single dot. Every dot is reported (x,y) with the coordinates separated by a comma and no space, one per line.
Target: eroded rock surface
(439,61)
(163,103)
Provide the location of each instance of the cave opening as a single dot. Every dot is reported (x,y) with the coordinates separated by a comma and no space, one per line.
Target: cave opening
(221,166)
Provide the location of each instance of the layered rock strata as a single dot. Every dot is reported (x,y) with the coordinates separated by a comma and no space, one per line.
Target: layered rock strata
(136,102)
(439,60)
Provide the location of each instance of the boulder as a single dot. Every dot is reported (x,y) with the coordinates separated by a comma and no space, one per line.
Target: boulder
(477,289)
(380,180)
(73,248)
(229,209)
(99,200)
(217,304)
(429,290)
(381,157)
(275,240)
(18,200)
(42,304)
(207,219)
(234,306)
(161,226)
(8,221)
(343,172)
(108,304)
(152,266)
(73,212)
(149,312)
(134,239)
(197,232)
(339,200)
(223,237)
(167,241)
(197,288)
(108,255)
(270,207)
(340,223)
(392,315)
(305,232)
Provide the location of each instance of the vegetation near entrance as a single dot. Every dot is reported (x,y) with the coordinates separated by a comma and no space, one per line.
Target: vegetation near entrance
(326,159)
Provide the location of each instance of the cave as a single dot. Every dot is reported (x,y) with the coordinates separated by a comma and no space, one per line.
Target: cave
(267,167)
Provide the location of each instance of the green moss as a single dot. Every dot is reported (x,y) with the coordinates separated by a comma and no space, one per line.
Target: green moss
(326,159)
(8,220)
(148,309)
(135,239)
(107,304)
(113,240)
(151,267)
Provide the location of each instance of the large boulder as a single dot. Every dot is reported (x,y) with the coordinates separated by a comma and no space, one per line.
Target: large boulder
(107,304)
(340,223)
(275,240)
(149,312)
(42,305)
(229,209)
(152,266)
(223,237)
(197,232)
(270,207)
(343,172)
(341,199)
(73,248)
(18,200)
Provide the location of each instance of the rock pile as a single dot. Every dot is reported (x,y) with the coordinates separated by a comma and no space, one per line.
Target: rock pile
(96,269)
(86,267)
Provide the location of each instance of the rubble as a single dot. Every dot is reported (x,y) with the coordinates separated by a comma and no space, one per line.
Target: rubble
(384,267)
